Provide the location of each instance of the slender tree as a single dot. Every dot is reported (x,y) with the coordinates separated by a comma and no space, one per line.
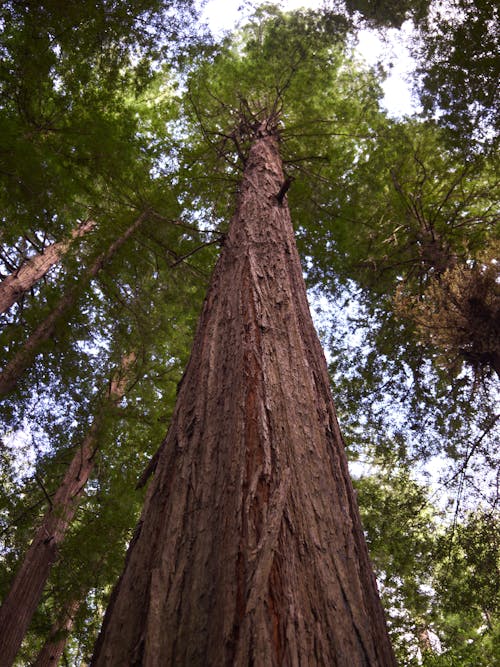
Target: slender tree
(33,269)
(53,649)
(27,352)
(250,548)
(24,595)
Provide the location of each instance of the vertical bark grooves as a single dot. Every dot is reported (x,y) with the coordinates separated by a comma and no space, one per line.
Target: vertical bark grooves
(32,270)
(12,372)
(250,549)
(27,587)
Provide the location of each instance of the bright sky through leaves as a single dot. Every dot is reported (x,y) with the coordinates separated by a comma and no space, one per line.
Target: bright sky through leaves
(222,15)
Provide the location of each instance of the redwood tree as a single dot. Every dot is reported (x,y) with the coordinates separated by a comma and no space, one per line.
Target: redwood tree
(26,590)
(33,269)
(24,356)
(52,651)
(250,549)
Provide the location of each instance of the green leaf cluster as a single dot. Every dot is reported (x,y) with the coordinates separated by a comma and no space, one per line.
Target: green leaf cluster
(439,582)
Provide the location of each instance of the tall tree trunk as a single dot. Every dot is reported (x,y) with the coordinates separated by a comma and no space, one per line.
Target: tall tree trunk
(250,549)
(51,652)
(30,272)
(26,590)
(12,372)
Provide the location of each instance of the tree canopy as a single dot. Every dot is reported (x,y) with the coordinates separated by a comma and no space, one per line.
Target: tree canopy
(131,119)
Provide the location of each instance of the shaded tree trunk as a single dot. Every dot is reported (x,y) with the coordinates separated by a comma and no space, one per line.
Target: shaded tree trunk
(32,270)
(250,549)
(26,590)
(51,652)
(12,372)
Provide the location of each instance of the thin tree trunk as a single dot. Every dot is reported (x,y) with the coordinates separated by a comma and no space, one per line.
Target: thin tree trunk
(250,549)
(29,273)
(51,652)
(25,355)
(26,590)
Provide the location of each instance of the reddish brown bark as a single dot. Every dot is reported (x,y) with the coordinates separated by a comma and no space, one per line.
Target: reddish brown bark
(250,549)
(51,652)
(26,590)
(10,375)
(30,272)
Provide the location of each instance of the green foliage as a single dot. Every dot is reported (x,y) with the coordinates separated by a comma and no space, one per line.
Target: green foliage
(456,48)
(262,72)
(439,583)
(388,13)
(409,208)
(87,130)
(159,328)
(65,120)
(458,70)
(411,211)
(466,580)
(85,113)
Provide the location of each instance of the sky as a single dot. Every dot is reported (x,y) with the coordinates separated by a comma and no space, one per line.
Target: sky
(224,15)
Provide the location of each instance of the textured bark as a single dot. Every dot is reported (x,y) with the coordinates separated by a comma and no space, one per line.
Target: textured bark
(26,590)
(51,652)
(250,549)
(13,371)
(32,270)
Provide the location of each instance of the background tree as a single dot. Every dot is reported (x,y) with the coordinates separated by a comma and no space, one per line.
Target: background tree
(20,603)
(388,13)
(161,329)
(16,284)
(455,46)
(75,111)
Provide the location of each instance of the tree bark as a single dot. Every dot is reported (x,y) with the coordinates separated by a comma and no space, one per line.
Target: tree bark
(26,590)
(13,371)
(250,549)
(32,270)
(51,652)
